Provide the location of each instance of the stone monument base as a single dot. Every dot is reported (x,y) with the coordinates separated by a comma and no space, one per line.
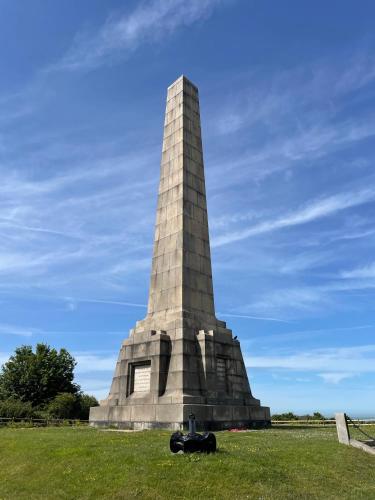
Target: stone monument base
(162,376)
(176,416)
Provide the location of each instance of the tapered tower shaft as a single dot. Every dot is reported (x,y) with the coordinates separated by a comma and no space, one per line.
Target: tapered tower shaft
(181,278)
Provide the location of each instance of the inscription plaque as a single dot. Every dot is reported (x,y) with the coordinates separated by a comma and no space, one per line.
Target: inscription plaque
(221,371)
(142,378)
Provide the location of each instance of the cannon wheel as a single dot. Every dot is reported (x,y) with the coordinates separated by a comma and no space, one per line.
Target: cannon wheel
(210,443)
(174,444)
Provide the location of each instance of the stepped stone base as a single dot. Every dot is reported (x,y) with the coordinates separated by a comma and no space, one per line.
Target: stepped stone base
(176,416)
(183,371)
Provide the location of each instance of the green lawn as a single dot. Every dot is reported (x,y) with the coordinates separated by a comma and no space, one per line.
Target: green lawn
(78,462)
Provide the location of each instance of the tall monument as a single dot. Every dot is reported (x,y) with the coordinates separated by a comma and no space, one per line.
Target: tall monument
(180,359)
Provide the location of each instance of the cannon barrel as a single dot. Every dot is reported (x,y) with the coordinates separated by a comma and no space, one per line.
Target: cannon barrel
(192,426)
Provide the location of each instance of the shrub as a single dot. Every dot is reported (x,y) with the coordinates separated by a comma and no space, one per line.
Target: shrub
(285,416)
(15,408)
(291,416)
(85,403)
(71,406)
(318,416)
(64,405)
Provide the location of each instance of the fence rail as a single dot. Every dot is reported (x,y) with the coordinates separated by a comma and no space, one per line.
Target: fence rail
(332,422)
(45,422)
(42,422)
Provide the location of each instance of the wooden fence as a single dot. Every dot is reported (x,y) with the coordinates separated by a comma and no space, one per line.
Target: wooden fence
(326,422)
(42,422)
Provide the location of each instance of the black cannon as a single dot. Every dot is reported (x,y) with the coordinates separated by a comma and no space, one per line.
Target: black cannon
(192,442)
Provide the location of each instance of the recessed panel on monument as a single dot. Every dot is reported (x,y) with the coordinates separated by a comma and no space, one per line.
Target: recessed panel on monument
(180,358)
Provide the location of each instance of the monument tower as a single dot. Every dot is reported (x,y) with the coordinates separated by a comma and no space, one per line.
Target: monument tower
(180,359)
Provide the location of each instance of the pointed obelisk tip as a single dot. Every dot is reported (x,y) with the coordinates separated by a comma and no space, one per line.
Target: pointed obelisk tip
(185,80)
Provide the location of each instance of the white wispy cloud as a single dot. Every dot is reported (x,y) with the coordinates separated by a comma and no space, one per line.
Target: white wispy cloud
(316,84)
(294,119)
(123,33)
(48,227)
(360,73)
(112,302)
(320,140)
(258,318)
(225,220)
(94,362)
(308,299)
(335,378)
(305,299)
(8,223)
(365,272)
(306,261)
(300,335)
(6,329)
(99,386)
(357,359)
(322,207)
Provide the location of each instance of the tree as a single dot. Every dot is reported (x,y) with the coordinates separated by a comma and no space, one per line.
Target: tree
(318,416)
(285,416)
(64,405)
(85,403)
(67,405)
(38,377)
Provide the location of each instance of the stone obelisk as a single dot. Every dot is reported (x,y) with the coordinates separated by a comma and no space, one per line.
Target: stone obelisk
(181,359)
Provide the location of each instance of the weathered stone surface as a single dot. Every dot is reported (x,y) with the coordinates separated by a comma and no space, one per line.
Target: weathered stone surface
(368,447)
(344,436)
(187,357)
(342,428)
(181,277)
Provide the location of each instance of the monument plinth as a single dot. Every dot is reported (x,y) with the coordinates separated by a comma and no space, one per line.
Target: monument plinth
(180,359)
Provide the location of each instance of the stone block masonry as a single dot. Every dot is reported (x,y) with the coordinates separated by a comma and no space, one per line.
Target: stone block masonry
(181,358)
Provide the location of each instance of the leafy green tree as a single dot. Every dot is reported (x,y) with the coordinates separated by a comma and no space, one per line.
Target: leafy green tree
(37,377)
(285,416)
(67,405)
(64,405)
(85,403)
(318,416)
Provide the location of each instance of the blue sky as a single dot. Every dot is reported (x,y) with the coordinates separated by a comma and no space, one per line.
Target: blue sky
(287,104)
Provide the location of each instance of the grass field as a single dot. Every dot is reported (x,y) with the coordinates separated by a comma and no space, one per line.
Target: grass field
(72,463)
